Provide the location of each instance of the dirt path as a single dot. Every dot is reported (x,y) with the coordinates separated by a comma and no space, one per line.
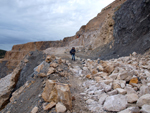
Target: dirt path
(79,105)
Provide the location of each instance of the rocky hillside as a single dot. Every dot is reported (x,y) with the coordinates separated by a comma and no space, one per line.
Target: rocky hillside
(40,77)
(106,36)
(12,58)
(90,86)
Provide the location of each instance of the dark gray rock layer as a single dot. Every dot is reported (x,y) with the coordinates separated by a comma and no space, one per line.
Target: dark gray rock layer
(132,27)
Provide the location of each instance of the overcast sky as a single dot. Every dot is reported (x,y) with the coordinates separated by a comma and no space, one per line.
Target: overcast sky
(23,21)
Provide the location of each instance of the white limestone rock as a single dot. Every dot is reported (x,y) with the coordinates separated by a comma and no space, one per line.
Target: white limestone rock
(113,92)
(145,99)
(129,90)
(113,76)
(60,108)
(115,103)
(121,91)
(145,108)
(144,90)
(132,97)
(34,110)
(102,98)
(106,87)
(90,101)
(131,110)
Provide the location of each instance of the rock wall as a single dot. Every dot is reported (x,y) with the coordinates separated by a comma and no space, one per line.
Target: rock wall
(98,32)
(132,27)
(121,28)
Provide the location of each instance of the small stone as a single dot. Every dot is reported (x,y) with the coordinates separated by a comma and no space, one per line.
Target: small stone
(88,76)
(40,95)
(49,106)
(94,71)
(145,99)
(113,92)
(73,98)
(131,98)
(113,76)
(48,59)
(144,90)
(98,79)
(50,70)
(89,101)
(116,85)
(54,65)
(121,91)
(107,66)
(107,81)
(34,110)
(134,54)
(60,108)
(134,80)
(106,87)
(26,60)
(124,75)
(100,68)
(102,98)
(131,110)
(129,90)
(42,75)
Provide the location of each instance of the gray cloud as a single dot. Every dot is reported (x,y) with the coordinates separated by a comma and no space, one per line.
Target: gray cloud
(23,21)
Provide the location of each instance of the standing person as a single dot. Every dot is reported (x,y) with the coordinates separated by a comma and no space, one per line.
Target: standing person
(72,52)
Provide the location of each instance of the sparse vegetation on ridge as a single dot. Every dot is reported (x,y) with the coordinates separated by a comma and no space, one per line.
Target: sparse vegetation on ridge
(2,53)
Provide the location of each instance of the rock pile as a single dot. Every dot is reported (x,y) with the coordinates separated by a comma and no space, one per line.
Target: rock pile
(117,85)
(55,93)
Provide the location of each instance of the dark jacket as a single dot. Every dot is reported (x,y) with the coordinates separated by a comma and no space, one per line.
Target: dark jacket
(72,52)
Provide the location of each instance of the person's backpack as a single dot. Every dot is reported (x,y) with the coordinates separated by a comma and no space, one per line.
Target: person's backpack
(71,52)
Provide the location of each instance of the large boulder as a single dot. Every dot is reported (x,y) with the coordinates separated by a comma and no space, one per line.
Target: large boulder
(7,84)
(57,92)
(115,103)
(47,90)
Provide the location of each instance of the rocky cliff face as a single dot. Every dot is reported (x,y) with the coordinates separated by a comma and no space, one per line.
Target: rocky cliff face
(98,31)
(132,27)
(121,28)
